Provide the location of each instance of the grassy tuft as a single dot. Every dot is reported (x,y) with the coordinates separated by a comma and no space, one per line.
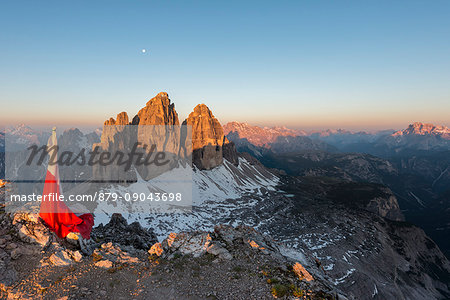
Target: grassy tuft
(280,290)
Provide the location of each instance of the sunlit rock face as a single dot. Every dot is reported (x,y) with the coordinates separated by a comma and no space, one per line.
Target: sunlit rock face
(113,130)
(418,128)
(116,137)
(158,111)
(259,136)
(121,119)
(207,138)
(157,124)
(418,136)
(208,145)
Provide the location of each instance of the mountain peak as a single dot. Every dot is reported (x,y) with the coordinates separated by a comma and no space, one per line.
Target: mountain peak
(162,96)
(158,111)
(257,135)
(419,128)
(207,137)
(121,119)
(201,110)
(209,144)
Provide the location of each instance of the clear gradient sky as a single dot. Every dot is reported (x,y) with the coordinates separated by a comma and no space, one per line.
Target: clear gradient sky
(304,64)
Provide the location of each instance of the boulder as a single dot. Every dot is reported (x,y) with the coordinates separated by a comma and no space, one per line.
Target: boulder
(64,257)
(104,264)
(115,254)
(31,229)
(194,243)
(156,249)
(301,272)
(218,250)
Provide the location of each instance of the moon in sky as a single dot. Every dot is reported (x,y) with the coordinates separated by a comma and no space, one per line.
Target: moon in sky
(143,50)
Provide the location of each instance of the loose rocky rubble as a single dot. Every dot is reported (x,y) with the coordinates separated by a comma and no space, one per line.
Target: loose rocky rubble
(229,263)
(131,235)
(244,263)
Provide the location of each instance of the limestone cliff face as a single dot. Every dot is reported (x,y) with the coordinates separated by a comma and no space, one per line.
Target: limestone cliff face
(111,128)
(159,125)
(157,111)
(207,138)
(116,136)
(161,112)
(208,144)
(121,119)
(229,151)
(206,129)
(157,122)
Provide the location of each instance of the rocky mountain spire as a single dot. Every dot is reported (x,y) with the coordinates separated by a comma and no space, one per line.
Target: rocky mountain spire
(207,138)
(158,125)
(121,119)
(157,111)
(209,144)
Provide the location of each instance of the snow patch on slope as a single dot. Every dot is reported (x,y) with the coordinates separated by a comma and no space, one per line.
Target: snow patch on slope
(215,194)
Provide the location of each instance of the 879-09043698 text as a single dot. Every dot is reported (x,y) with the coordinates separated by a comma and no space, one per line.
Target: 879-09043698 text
(100,196)
(132,197)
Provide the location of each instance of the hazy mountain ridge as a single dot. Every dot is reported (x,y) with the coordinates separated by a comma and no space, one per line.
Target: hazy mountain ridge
(417,136)
(23,134)
(260,136)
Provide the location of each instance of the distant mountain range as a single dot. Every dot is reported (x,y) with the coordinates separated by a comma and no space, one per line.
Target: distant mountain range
(260,136)
(385,143)
(264,135)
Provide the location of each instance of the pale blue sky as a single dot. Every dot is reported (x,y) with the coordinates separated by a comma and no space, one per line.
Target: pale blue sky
(304,64)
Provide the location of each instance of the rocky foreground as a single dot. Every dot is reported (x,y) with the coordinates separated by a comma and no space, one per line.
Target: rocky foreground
(125,261)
